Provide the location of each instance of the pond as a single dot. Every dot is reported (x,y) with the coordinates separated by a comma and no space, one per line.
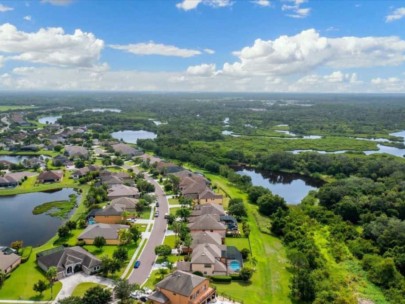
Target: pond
(49,119)
(131,137)
(18,223)
(103,110)
(292,187)
(15,159)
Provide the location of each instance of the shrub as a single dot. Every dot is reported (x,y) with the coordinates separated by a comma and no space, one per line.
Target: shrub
(221,279)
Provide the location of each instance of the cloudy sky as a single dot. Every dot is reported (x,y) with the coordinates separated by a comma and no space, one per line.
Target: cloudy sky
(203,45)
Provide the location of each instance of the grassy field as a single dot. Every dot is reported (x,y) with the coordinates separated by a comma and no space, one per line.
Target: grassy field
(81,289)
(238,242)
(170,240)
(12,108)
(270,283)
(173,201)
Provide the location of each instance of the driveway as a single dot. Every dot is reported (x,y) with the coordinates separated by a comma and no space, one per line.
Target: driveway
(70,283)
(147,258)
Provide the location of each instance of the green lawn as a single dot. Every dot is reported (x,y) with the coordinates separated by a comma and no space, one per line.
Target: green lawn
(173,210)
(145,214)
(170,240)
(174,201)
(11,108)
(81,289)
(238,242)
(141,227)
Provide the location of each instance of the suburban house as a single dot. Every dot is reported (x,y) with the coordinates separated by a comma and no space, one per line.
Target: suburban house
(60,160)
(50,176)
(125,203)
(183,288)
(213,259)
(76,152)
(125,149)
(14,179)
(168,168)
(120,178)
(109,215)
(5,164)
(109,231)
(210,208)
(68,261)
(196,187)
(8,260)
(117,191)
(83,171)
(206,237)
(207,222)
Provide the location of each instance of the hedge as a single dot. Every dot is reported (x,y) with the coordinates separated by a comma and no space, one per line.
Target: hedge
(221,279)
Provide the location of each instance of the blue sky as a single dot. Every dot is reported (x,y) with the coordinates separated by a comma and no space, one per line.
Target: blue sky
(203,45)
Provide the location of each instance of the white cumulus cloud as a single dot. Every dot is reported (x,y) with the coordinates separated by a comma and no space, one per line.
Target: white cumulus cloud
(4,8)
(209,51)
(50,46)
(202,70)
(308,50)
(152,48)
(27,18)
(397,14)
(188,5)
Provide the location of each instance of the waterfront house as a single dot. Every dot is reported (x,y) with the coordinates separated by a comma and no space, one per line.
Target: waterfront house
(8,260)
(110,232)
(50,176)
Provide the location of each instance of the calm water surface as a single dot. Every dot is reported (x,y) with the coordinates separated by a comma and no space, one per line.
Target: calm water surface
(132,136)
(18,223)
(292,187)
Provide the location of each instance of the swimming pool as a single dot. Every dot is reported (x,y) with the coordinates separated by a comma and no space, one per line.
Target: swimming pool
(234,265)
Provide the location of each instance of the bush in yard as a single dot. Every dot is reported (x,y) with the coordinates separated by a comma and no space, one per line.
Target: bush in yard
(40,286)
(245,253)
(26,253)
(246,273)
(221,279)
(99,242)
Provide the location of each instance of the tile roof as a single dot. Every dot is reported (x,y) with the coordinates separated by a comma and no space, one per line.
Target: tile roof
(181,282)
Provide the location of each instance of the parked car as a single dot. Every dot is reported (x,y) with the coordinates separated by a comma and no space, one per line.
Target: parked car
(156,213)
(137,264)
(157,204)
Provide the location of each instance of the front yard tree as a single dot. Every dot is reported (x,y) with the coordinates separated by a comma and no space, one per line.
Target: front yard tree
(184,213)
(125,236)
(99,242)
(136,234)
(40,287)
(51,275)
(120,254)
(71,225)
(123,289)
(97,295)
(163,251)
(63,231)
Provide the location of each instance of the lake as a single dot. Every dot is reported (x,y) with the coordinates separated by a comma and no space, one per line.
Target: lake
(390,150)
(292,187)
(49,119)
(103,110)
(18,223)
(131,137)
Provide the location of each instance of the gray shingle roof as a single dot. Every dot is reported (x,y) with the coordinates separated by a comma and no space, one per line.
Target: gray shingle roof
(206,222)
(108,231)
(181,282)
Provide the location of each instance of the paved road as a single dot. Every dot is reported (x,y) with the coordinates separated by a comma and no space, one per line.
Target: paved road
(147,258)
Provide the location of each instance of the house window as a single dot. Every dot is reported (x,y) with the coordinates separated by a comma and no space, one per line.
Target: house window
(207,265)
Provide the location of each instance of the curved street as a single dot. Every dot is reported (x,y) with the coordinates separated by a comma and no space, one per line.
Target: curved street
(147,258)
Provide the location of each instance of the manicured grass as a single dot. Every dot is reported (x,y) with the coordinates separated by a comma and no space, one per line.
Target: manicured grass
(55,209)
(145,214)
(81,289)
(141,227)
(173,210)
(170,240)
(30,185)
(173,201)
(238,242)
(153,279)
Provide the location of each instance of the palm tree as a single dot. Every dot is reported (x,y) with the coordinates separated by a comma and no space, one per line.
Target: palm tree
(125,236)
(51,275)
